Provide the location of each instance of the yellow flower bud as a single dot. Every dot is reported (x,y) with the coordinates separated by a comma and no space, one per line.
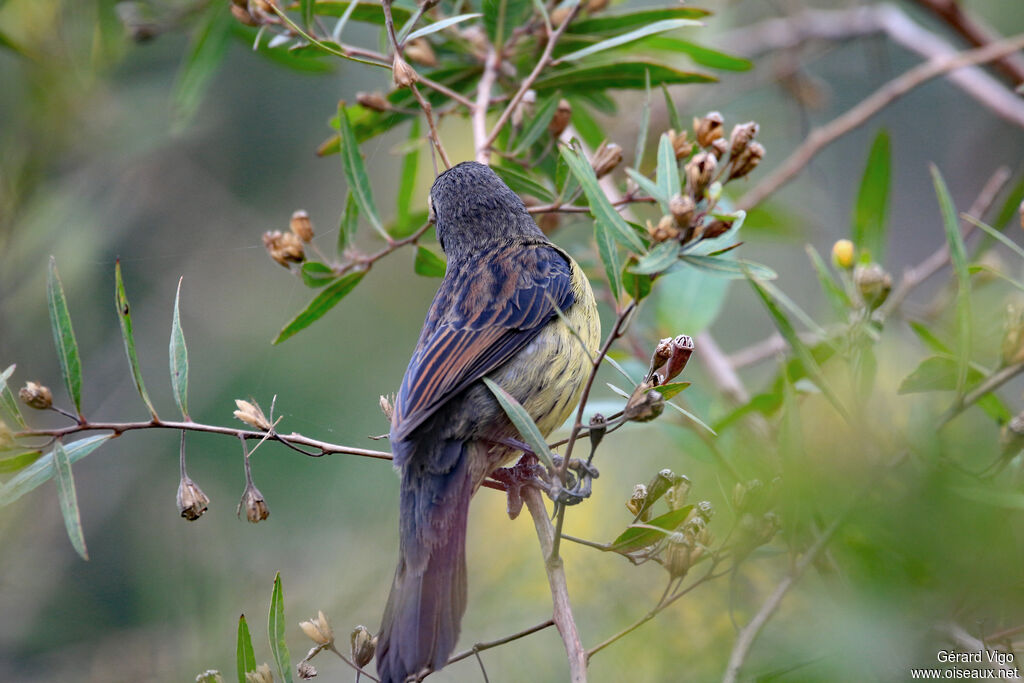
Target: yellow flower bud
(842,254)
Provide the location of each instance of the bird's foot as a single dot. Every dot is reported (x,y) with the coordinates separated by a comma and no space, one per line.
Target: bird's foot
(526,472)
(579,478)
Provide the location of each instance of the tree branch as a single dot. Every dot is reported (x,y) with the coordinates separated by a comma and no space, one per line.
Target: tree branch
(563,617)
(480,647)
(823,136)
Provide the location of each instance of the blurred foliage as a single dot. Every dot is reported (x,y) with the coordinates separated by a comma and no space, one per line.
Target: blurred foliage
(151,131)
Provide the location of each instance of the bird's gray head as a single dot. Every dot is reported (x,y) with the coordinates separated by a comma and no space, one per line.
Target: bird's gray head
(474,210)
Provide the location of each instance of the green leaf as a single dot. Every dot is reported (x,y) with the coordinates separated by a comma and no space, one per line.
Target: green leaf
(629,37)
(869,214)
(407,184)
(670,390)
(660,258)
(693,418)
(500,16)
(645,123)
(349,222)
(609,254)
(68,499)
(355,172)
(306,10)
(323,302)
(636,286)
(929,339)
(19,461)
(652,188)
(637,536)
(674,120)
(704,56)
(836,295)
(428,263)
(317,274)
(7,401)
(367,13)
(690,299)
(936,373)
(538,125)
(276,630)
(800,349)
(440,26)
(668,168)
(205,53)
(995,234)
(523,423)
(615,22)
(124,314)
(589,129)
(730,268)
(179,357)
(523,184)
(958,257)
(618,72)
(42,469)
(245,655)
(600,207)
(64,336)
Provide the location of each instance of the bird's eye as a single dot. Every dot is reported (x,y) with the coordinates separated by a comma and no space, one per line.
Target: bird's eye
(430,209)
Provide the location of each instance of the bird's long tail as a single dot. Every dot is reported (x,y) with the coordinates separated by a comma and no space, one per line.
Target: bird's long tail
(428,596)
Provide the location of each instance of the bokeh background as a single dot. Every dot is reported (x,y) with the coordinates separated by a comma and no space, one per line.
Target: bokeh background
(99,163)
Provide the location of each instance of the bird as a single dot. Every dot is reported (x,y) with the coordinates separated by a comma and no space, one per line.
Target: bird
(512,307)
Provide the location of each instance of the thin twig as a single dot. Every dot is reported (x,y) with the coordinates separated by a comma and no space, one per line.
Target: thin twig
(542,63)
(562,615)
(823,136)
(483,101)
(993,382)
(480,647)
(434,137)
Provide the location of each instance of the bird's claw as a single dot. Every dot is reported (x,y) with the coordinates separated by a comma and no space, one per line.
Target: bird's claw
(526,472)
(579,478)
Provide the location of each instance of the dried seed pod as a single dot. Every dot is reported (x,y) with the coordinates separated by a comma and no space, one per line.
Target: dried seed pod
(596,429)
(36,395)
(363,645)
(255,506)
(387,407)
(680,144)
(873,283)
(699,171)
(403,74)
(606,158)
(715,228)
(645,404)
(301,226)
(741,137)
(374,101)
(306,670)
(681,349)
(678,557)
(666,229)
(594,6)
(720,147)
(262,674)
(748,161)
(318,629)
(420,52)
(708,128)
(682,208)
(192,502)
(242,16)
(252,415)
(284,247)
(560,121)
(636,502)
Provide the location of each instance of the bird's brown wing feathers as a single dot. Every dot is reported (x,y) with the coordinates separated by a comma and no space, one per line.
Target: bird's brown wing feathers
(482,315)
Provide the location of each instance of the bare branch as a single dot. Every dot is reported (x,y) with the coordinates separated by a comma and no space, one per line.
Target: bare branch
(480,647)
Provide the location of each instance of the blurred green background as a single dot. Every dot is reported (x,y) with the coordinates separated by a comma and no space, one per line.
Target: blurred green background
(98,163)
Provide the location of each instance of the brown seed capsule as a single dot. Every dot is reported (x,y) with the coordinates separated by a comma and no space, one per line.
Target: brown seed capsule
(192,502)
(256,509)
(709,128)
(720,147)
(363,646)
(36,396)
(301,226)
(420,52)
(682,208)
(606,158)
(644,405)
(318,629)
(374,101)
(662,352)
(715,228)
(636,501)
(680,144)
(681,349)
(284,247)
(594,6)
(677,559)
(306,670)
(666,229)
(560,121)
(252,415)
(387,407)
(741,137)
(596,429)
(242,15)
(677,494)
(262,674)
(748,161)
(560,14)
(403,74)
(873,283)
(699,171)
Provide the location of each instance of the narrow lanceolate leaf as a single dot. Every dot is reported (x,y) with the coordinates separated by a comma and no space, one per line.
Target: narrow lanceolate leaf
(7,401)
(660,258)
(522,421)
(609,253)
(645,123)
(349,221)
(428,263)
(668,168)
(276,630)
(670,390)
(19,462)
(355,172)
(42,469)
(800,349)
(600,207)
(323,302)
(674,120)
(316,274)
(652,188)
(64,336)
(995,234)
(407,184)
(440,26)
(245,655)
(631,36)
(68,499)
(179,358)
(836,295)
(873,200)
(958,257)
(205,53)
(641,535)
(729,268)
(306,7)
(124,314)
(538,124)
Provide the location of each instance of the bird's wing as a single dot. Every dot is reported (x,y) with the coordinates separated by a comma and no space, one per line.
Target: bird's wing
(481,316)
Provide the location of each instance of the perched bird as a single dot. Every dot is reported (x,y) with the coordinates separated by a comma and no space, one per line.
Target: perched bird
(493,316)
